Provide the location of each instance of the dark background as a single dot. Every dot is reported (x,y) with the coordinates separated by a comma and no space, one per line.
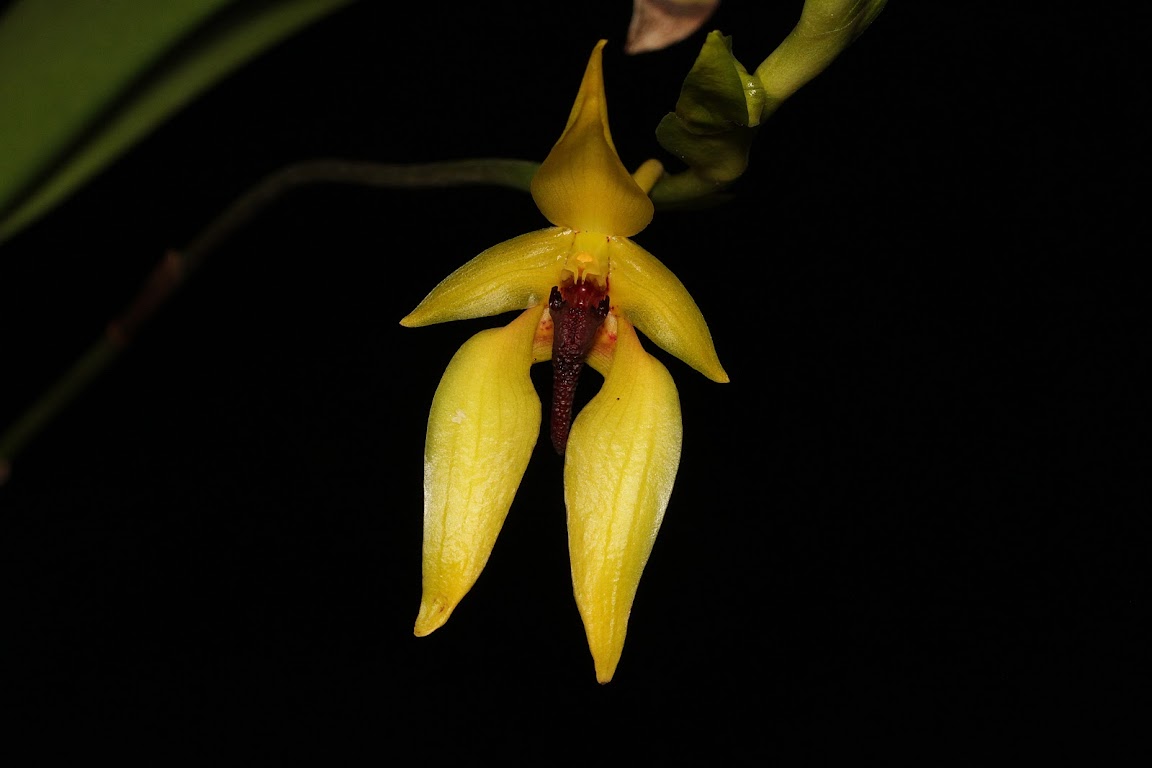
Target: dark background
(909,520)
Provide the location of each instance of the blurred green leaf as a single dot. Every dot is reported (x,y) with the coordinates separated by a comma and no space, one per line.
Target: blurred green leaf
(82,81)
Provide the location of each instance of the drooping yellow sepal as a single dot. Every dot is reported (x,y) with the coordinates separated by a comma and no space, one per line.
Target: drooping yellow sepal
(483,426)
(619,468)
(582,184)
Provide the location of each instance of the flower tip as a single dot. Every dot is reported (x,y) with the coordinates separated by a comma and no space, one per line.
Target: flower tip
(708,364)
(433,614)
(414,319)
(606,651)
(604,672)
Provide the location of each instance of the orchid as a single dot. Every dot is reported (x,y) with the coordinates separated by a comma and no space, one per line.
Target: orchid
(75,100)
(583,288)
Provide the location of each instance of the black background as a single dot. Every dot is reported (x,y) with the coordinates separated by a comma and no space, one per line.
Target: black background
(909,522)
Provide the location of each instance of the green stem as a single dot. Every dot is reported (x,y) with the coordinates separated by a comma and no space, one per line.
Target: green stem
(685,189)
(175,267)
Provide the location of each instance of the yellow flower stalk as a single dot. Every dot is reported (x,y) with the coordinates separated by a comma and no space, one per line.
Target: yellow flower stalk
(582,288)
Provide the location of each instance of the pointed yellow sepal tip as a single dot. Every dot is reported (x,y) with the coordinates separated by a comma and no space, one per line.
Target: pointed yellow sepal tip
(582,184)
(434,612)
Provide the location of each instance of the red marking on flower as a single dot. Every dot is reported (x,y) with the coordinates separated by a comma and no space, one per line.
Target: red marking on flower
(578,309)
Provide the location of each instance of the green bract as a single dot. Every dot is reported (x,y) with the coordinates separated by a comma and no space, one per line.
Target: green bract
(712,127)
(721,103)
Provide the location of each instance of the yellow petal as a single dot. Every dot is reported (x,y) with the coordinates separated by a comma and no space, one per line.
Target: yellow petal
(618,473)
(484,422)
(582,184)
(516,274)
(659,305)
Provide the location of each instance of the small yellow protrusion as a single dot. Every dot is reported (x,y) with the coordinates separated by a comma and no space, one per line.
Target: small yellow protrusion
(588,257)
(648,174)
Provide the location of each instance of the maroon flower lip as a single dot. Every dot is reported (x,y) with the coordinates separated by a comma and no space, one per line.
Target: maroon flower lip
(578,310)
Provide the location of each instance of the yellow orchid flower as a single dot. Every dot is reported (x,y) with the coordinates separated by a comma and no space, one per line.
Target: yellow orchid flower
(582,287)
